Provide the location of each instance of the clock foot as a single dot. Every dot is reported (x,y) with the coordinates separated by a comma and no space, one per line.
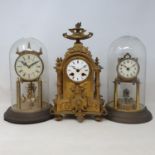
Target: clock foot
(58,117)
(80,118)
(98,118)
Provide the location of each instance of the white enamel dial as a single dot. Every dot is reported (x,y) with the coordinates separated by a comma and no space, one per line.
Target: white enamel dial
(128,68)
(29,66)
(78,70)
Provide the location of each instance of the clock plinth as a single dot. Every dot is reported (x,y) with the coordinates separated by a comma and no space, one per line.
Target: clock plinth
(28,118)
(78,82)
(132,117)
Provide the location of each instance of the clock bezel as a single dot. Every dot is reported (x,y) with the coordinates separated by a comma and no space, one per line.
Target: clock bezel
(80,58)
(32,53)
(125,78)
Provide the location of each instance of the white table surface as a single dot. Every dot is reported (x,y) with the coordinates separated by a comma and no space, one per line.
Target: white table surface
(70,137)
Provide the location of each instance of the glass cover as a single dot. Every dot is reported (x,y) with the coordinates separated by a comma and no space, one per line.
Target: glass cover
(29,75)
(126,91)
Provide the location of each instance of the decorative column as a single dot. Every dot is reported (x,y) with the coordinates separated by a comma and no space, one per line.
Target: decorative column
(115,93)
(40,93)
(137,95)
(59,77)
(97,83)
(18,93)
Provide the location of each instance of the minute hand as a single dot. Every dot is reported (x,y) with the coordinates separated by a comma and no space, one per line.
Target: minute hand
(33,64)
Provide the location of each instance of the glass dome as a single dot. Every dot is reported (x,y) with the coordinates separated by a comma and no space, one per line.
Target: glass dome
(126,81)
(29,82)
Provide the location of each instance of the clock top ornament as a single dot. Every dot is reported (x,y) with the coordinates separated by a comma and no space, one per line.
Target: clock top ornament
(78,34)
(78,80)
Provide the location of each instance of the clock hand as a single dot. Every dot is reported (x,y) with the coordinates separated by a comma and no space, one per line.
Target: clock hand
(33,64)
(125,66)
(82,67)
(24,63)
(133,65)
(73,67)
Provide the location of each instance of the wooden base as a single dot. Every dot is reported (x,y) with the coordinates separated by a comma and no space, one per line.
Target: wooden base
(28,117)
(141,116)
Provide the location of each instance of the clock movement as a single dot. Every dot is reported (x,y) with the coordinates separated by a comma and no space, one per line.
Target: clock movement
(78,80)
(28,81)
(126,86)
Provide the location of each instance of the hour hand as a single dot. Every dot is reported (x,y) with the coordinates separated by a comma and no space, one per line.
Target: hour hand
(33,64)
(24,63)
(73,67)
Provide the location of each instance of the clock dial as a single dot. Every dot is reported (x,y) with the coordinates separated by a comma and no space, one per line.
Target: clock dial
(128,68)
(78,70)
(29,67)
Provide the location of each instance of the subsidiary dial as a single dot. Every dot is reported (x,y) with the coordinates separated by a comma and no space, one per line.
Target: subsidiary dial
(78,70)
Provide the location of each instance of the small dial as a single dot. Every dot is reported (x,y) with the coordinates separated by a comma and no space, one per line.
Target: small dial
(29,67)
(128,68)
(78,70)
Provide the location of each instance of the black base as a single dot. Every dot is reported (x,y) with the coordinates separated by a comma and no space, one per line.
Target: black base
(141,116)
(27,118)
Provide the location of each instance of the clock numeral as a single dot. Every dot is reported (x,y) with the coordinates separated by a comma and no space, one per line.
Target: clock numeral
(37,71)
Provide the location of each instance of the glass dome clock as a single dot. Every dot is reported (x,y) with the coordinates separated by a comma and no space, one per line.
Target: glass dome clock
(126,81)
(29,82)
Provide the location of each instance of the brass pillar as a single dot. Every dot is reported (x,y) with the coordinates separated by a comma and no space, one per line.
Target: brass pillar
(97,84)
(137,95)
(59,83)
(40,93)
(115,93)
(18,94)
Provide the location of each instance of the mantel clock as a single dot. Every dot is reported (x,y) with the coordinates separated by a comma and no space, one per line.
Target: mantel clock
(29,68)
(78,80)
(126,81)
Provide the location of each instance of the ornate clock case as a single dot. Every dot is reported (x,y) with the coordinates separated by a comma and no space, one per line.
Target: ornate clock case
(29,83)
(78,81)
(126,81)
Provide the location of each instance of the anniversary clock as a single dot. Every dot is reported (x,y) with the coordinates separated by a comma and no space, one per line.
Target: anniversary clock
(78,80)
(29,83)
(126,86)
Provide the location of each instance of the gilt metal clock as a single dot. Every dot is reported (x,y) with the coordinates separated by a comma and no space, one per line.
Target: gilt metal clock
(29,104)
(78,81)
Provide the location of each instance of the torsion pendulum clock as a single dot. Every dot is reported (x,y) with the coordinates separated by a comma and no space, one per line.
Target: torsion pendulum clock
(78,81)
(127,81)
(29,67)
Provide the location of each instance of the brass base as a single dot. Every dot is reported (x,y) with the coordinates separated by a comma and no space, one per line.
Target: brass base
(80,118)
(135,117)
(28,117)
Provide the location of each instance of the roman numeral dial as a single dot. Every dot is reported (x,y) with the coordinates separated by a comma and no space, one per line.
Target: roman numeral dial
(78,70)
(29,67)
